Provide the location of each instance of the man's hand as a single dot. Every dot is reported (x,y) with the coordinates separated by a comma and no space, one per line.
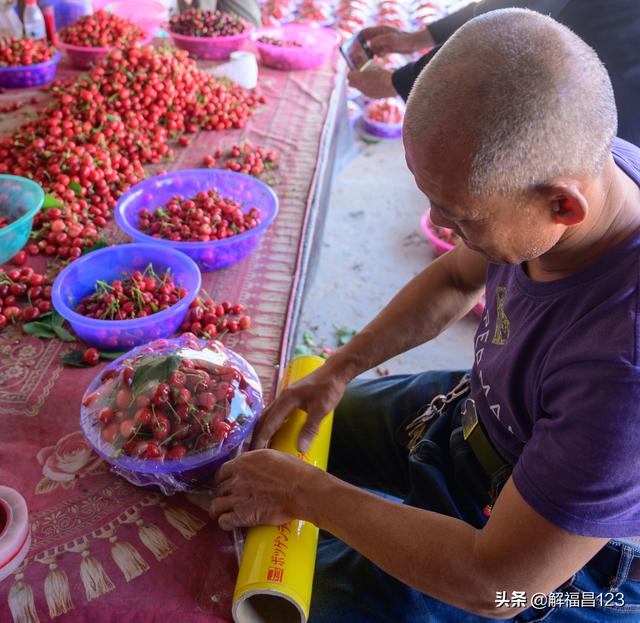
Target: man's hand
(261,487)
(374,83)
(317,394)
(387,40)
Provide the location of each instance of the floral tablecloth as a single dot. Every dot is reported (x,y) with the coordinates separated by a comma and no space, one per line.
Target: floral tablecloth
(103,550)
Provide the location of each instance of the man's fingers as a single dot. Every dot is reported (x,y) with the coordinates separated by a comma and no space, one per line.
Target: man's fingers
(224,472)
(272,420)
(307,434)
(383,44)
(222,504)
(228,521)
(373,31)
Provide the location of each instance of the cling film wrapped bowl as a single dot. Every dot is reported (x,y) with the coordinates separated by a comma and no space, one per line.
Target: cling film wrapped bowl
(167,414)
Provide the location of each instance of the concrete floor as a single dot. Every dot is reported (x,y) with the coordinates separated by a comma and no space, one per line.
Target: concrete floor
(372,246)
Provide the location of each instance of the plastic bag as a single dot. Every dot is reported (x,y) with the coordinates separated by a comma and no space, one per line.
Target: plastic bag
(167,415)
(10,24)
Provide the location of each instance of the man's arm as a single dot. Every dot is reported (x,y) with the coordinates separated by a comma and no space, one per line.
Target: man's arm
(441,294)
(517,550)
(440,30)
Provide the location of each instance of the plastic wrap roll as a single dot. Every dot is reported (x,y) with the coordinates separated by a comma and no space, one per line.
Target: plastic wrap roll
(276,571)
(15,536)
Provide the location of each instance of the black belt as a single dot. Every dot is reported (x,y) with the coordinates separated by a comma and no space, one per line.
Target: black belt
(475,436)
(606,562)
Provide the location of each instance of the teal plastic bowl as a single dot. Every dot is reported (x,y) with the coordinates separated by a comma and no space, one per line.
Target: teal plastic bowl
(20,199)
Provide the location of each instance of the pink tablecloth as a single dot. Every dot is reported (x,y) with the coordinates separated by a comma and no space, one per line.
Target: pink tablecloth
(102,549)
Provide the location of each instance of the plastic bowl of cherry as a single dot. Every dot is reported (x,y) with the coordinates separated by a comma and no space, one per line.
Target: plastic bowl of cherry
(168,414)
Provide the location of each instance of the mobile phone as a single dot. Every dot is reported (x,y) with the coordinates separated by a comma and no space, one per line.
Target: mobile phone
(356,52)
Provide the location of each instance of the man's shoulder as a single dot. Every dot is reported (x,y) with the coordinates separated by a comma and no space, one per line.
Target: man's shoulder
(627,155)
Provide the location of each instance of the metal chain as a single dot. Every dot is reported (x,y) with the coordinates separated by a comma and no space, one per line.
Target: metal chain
(417,428)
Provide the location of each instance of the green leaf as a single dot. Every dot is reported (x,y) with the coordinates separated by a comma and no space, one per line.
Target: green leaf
(307,338)
(370,140)
(39,329)
(344,335)
(74,358)
(302,349)
(155,369)
(101,244)
(54,319)
(51,202)
(107,356)
(113,118)
(63,334)
(76,188)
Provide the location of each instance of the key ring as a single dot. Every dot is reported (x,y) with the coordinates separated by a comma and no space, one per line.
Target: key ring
(417,428)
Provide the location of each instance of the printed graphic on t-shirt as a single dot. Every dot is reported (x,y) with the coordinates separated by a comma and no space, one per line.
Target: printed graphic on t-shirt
(500,337)
(501,334)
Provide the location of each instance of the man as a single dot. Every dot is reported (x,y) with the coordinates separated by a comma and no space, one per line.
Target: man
(610,27)
(527,482)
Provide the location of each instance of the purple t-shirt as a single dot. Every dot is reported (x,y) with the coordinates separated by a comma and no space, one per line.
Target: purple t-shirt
(556,379)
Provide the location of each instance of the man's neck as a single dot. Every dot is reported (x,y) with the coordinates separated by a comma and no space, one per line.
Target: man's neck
(613,216)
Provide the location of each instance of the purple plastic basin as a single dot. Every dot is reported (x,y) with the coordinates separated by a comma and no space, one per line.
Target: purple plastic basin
(25,76)
(172,476)
(378,128)
(212,48)
(78,280)
(157,191)
(317,45)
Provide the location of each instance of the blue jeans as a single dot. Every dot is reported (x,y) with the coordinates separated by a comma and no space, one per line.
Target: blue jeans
(368,449)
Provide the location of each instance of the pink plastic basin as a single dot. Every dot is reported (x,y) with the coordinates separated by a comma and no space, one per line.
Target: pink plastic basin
(440,247)
(212,48)
(317,45)
(148,14)
(84,57)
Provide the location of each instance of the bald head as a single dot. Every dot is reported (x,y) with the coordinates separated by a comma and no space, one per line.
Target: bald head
(523,99)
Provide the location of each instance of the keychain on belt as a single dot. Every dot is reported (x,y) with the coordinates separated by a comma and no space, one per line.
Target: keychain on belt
(417,428)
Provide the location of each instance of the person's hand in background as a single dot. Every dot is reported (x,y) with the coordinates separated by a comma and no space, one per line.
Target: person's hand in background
(373,82)
(387,40)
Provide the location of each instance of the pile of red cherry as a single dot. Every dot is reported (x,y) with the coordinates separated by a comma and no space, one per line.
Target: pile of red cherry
(24,294)
(280,43)
(21,52)
(209,320)
(91,143)
(205,217)
(102,30)
(243,159)
(201,23)
(133,296)
(385,111)
(169,406)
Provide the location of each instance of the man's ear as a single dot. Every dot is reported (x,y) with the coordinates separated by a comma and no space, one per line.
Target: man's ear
(567,205)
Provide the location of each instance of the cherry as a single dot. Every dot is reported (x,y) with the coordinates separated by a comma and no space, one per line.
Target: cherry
(21,52)
(201,23)
(91,356)
(101,29)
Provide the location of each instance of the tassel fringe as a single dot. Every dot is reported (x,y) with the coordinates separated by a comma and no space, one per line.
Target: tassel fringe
(94,578)
(155,540)
(183,521)
(128,559)
(21,603)
(56,591)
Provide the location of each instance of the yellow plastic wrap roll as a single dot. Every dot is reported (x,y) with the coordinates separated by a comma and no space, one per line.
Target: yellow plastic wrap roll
(276,570)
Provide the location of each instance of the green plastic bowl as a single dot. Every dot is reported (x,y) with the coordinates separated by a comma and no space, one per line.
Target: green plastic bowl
(20,199)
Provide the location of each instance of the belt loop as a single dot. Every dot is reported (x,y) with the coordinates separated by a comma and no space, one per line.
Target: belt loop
(624,564)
